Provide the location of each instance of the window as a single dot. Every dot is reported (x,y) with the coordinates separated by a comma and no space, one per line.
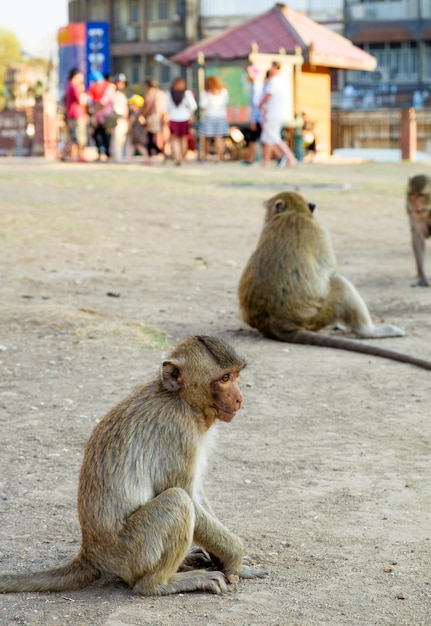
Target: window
(165,74)
(399,58)
(180,8)
(134,12)
(135,74)
(96,11)
(163,10)
(116,14)
(426,59)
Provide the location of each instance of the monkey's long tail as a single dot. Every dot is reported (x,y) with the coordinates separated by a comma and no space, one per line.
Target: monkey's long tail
(310,338)
(75,575)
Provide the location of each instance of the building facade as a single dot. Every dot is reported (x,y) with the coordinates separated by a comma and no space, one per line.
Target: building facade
(146,33)
(398,34)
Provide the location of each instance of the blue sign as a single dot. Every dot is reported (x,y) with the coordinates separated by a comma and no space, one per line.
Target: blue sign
(97,49)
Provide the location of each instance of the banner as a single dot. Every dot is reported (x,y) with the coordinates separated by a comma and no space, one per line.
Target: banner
(84,45)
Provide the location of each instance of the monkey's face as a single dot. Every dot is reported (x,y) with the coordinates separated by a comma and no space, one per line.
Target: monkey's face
(419,202)
(205,371)
(418,194)
(226,395)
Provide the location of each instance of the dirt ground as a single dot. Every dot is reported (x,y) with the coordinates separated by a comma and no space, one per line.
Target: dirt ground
(325,473)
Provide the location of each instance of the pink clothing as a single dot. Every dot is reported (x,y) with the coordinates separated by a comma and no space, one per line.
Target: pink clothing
(74,108)
(106,103)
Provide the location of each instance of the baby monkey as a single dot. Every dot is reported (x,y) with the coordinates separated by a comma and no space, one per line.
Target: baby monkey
(141,503)
(418,206)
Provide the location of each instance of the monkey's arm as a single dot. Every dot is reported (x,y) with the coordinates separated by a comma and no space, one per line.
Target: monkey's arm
(224,547)
(197,556)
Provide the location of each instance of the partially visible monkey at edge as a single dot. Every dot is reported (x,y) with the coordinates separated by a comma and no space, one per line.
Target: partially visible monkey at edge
(290,288)
(418,206)
(141,503)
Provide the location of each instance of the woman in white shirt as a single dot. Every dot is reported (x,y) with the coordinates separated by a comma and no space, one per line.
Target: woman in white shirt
(121,129)
(214,126)
(180,106)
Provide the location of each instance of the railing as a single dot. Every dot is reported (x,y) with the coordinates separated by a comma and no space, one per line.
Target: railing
(395,10)
(377,129)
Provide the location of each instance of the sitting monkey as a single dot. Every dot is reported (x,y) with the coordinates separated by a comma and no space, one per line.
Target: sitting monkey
(290,288)
(141,503)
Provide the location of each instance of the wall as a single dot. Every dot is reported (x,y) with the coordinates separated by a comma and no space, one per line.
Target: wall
(315,96)
(13,138)
(379,129)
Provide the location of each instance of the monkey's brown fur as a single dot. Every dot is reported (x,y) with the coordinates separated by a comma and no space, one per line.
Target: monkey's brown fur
(418,206)
(290,288)
(141,503)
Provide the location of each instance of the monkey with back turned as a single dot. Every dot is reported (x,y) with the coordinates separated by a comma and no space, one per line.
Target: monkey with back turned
(418,206)
(290,288)
(141,503)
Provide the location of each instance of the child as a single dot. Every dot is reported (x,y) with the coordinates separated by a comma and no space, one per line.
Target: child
(137,130)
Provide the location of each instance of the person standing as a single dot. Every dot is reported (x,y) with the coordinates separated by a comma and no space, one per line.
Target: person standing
(101,93)
(272,106)
(214,126)
(121,110)
(75,100)
(255,114)
(137,140)
(153,113)
(180,106)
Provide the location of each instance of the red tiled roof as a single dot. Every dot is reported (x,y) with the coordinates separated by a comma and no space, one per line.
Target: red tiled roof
(326,47)
(280,28)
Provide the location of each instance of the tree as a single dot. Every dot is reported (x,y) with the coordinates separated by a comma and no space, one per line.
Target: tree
(10,52)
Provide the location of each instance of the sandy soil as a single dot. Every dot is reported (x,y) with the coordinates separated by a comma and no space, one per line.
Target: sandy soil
(325,473)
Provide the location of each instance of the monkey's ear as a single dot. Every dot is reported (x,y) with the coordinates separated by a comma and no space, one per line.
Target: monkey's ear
(172,378)
(278,207)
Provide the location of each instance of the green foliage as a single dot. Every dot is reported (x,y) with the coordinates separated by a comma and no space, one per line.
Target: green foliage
(10,52)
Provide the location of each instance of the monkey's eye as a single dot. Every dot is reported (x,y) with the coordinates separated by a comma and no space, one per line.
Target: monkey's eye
(225,378)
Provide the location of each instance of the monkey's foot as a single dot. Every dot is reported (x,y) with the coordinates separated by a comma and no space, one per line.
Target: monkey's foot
(250,571)
(196,559)
(380,332)
(197,580)
(422,282)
